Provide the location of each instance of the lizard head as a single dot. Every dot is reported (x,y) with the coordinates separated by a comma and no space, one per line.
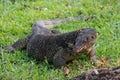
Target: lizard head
(85,40)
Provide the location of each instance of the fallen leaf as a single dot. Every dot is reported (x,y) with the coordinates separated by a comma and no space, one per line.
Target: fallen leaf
(102,62)
(99,63)
(66,70)
(37,8)
(104,59)
(68,5)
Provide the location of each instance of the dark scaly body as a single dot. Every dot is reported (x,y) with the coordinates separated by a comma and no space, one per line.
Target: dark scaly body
(61,48)
(41,46)
(40,27)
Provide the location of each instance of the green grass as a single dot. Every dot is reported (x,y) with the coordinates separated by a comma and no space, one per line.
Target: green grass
(15,22)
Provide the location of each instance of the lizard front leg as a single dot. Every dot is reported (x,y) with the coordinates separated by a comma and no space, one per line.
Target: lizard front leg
(92,55)
(21,43)
(58,60)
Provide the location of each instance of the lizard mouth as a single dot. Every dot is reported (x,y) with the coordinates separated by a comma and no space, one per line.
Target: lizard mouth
(78,49)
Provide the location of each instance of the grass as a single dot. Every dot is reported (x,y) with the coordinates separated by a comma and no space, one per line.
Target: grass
(15,22)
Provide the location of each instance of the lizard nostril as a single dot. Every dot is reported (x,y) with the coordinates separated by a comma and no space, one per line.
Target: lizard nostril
(87,38)
(75,49)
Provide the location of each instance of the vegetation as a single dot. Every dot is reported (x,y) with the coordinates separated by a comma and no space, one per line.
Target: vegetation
(16,18)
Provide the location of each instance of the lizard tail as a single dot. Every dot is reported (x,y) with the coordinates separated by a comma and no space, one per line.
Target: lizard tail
(54,22)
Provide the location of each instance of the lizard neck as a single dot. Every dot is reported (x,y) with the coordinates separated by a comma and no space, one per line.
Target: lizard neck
(67,38)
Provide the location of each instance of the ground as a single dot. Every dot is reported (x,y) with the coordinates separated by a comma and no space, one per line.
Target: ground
(17,17)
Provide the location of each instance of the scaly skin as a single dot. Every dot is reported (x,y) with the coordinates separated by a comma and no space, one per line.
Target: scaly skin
(62,48)
(40,27)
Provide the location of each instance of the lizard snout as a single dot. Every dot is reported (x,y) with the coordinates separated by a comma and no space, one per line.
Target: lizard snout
(77,49)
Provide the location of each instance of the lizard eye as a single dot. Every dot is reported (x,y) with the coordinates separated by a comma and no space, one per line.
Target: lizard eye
(92,37)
